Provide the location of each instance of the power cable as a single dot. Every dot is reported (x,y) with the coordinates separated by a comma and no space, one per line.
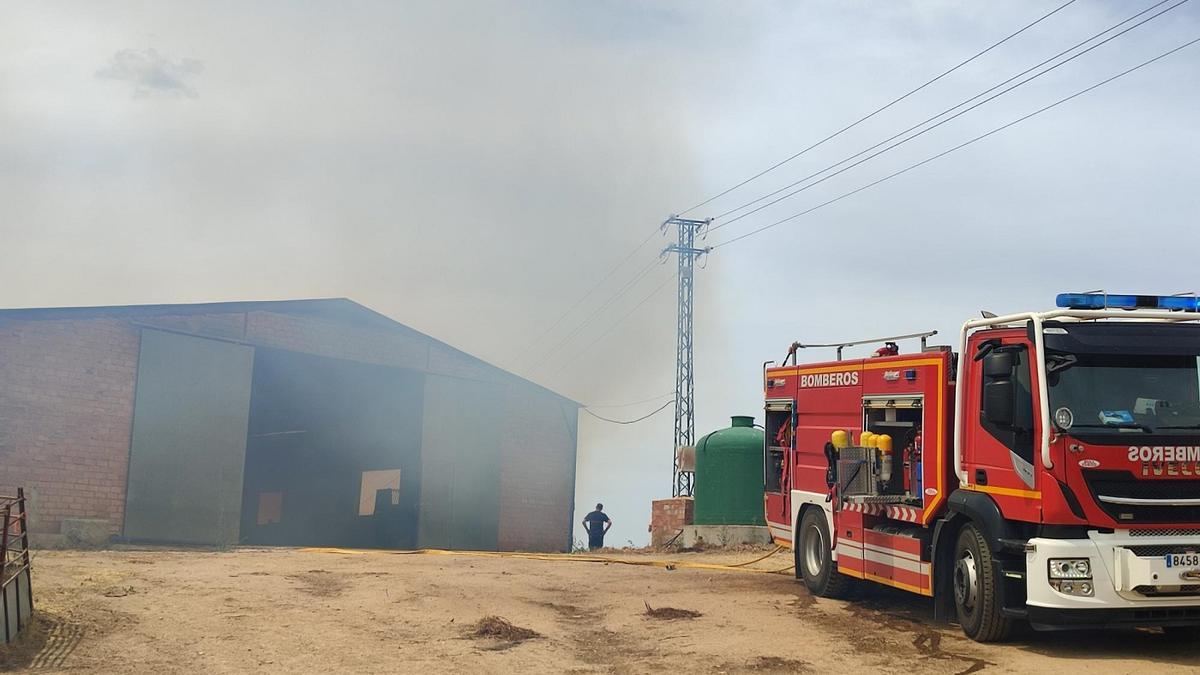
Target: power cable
(632,403)
(948,119)
(588,319)
(621,263)
(642,273)
(585,296)
(891,103)
(616,323)
(961,145)
(643,417)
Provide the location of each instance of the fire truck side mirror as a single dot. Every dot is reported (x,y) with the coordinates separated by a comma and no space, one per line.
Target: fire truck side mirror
(999,364)
(998,403)
(999,390)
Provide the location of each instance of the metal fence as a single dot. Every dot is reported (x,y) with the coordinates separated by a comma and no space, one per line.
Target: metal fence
(16,597)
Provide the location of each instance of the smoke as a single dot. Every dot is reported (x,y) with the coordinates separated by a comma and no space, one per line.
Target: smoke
(472,168)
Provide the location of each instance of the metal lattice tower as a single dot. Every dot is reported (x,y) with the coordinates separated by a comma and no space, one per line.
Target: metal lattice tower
(685,422)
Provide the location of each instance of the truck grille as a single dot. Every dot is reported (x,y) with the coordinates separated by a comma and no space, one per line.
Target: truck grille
(1173,532)
(1159,551)
(1156,592)
(1125,484)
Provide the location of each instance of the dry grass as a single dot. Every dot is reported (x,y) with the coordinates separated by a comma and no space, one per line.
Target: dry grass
(499,628)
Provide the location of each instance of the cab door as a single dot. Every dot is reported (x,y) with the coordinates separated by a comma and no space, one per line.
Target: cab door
(1000,448)
(779,446)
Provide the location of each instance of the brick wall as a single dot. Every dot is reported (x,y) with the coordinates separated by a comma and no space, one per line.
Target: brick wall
(537,472)
(668,517)
(66,411)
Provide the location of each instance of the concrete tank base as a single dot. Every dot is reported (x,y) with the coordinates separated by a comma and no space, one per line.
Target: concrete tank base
(723,535)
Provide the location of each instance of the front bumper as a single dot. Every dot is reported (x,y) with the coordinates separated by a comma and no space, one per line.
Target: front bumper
(1133,585)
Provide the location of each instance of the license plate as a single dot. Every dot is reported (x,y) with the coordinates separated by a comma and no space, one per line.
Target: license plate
(1183,560)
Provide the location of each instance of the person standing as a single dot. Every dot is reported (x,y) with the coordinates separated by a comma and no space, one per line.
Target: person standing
(596,523)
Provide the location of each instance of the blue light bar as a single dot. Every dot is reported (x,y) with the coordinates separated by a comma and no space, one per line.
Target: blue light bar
(1186,303)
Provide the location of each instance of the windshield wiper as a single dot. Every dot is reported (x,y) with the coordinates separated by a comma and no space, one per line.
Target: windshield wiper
(1058,362)
(1119,425)
(1179,426)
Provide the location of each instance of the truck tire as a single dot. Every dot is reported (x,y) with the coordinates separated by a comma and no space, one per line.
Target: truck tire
(814,558)
(976,588)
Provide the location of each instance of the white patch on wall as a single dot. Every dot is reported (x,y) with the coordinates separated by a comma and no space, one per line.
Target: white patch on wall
(373,482)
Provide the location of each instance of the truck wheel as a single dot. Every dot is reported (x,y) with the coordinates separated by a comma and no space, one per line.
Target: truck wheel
(814,560)
(976,588)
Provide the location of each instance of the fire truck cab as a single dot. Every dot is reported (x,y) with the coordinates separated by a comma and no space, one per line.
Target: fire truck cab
(1048,472)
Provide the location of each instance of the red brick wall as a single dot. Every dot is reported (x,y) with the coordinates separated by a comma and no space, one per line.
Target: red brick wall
(668,517)
(66,411)
(537,471)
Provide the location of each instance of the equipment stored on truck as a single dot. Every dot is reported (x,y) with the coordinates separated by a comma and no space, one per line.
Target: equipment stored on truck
(1047,472)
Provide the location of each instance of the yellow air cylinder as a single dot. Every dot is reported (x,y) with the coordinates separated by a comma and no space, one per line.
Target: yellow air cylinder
(840,439)
(884,443)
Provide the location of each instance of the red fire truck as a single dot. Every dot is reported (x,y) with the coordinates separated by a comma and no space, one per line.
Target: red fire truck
(1048,472)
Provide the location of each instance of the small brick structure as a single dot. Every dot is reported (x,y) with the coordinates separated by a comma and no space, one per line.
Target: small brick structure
(668,517)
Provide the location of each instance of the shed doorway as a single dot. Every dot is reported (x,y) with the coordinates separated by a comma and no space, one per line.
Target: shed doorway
(333,453)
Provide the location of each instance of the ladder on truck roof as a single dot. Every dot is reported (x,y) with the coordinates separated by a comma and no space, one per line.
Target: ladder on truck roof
(796,346)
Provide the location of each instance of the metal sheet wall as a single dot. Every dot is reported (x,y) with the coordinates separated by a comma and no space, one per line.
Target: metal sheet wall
(460,464)
(188,449)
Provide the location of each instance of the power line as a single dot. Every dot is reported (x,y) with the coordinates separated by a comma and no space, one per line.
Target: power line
(584,297)
(588,319)
(618,322)
(532,347)
(643,417)
(948,119)
(891,103)
(961,145)
(633,403)
(628,286)
(950,109)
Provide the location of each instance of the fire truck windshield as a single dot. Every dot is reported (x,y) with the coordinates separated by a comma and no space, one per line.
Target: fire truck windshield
(1103,394)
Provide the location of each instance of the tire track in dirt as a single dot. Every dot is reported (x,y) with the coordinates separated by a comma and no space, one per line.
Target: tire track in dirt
(926,639)
(592,643)
(60,642)
(870,609)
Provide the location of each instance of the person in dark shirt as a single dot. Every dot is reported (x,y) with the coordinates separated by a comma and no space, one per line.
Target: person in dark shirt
(596,523)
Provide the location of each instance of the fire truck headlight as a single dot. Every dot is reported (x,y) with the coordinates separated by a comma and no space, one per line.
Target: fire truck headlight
(1080,588)
(1070,568)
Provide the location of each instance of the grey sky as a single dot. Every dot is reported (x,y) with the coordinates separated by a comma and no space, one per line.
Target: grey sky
(471,168)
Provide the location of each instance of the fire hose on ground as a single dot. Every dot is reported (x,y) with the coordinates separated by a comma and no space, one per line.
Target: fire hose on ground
(570,557)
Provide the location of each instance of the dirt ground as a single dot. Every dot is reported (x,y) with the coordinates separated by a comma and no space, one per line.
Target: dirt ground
(286,610)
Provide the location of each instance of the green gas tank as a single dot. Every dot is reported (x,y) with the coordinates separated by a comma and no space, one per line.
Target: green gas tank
(729,476)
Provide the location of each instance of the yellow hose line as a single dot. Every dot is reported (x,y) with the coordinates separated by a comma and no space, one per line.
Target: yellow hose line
(565,557)
(751,562)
